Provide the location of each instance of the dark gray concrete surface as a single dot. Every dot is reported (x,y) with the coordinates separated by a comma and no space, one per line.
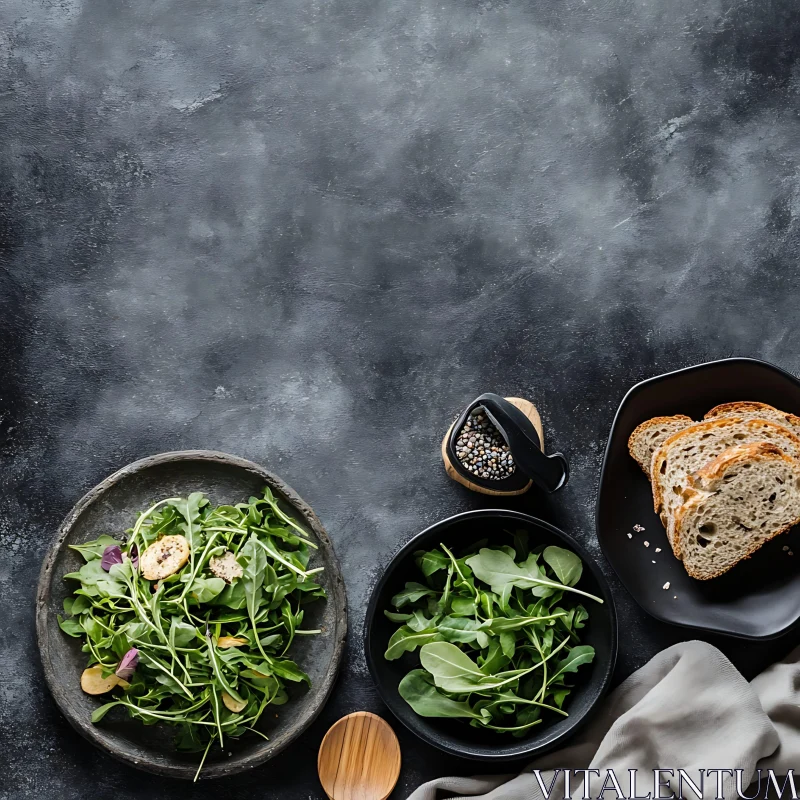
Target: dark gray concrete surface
(306,232)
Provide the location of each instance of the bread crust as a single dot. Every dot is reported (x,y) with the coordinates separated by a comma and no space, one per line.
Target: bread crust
(744,406)
(643,427)
(700,487)
(737,407)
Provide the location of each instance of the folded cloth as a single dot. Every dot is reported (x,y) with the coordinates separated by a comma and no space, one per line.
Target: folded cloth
(688,708)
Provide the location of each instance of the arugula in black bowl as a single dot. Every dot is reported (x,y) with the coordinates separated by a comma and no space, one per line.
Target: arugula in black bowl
(497,632)
(490,618)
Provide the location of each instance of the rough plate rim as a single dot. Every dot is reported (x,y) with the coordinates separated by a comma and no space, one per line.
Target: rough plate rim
(338,597)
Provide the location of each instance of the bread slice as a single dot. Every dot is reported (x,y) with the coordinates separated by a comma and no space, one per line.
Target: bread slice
(749,409)
(648,437)
(689,450)
(651,434)
(743,498)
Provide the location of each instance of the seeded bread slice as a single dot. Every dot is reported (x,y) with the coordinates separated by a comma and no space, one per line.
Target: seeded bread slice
(648,437)
(689,450)
(749,409)
(743,498)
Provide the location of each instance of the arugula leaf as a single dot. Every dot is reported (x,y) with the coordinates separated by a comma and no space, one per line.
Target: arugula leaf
(431,562)
(458,629)
(394,616)
(559,695)
(93,628)
(494,659)
(71,627)
(89,574)
(289,670)
(181,634)
(411,594)
(508,643)
(582,654)
(219,673)
(79,605)
(499,624)
(232,596)
(252,579)
(100,712)
(406,639)
(444,660)
(463,606)
(268,641)
(189,509)
(417,621)
(94,549)
(427,701)
(566,565)
(521,543)
(497,568)
(205,589)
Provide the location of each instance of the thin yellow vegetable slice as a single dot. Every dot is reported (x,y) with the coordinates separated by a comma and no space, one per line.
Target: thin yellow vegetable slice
(93,682)
(233,705)
(224,642)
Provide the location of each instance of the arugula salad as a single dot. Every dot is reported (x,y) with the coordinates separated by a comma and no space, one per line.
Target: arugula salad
(189,622)
(498,634)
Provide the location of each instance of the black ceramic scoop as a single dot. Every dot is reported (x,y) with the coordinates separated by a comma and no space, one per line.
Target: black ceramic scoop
(549,473)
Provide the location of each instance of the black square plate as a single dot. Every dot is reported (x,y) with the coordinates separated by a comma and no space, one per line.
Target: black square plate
(760,597)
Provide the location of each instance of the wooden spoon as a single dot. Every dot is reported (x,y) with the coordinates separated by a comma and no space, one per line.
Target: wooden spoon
(359,758)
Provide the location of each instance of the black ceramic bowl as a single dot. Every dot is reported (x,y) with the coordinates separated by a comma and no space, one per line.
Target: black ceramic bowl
(456,736)
(111,506)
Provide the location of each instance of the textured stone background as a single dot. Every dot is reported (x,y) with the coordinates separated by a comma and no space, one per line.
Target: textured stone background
(308,231)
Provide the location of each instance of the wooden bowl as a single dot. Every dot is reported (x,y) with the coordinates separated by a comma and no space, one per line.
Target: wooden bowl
(112,506)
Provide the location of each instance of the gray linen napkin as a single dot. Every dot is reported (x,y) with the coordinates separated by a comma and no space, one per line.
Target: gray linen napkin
(688,708)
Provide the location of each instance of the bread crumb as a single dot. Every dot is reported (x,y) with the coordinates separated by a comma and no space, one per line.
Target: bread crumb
(638,528)
(785,549)
(791,553)
(654,562)
(630,536)
(658,549)
(674,597)
(646,543)
(666,585)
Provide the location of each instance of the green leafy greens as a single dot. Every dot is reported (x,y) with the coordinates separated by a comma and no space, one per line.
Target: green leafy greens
(497,632)
(212,653)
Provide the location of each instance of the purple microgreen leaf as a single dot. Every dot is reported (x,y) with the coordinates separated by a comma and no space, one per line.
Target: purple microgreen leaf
(111,555)
(128,664)
(133,554)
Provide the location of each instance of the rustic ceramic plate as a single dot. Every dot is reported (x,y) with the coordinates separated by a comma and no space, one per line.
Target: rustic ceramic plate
(757,599)
(111,506)
(454,735)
